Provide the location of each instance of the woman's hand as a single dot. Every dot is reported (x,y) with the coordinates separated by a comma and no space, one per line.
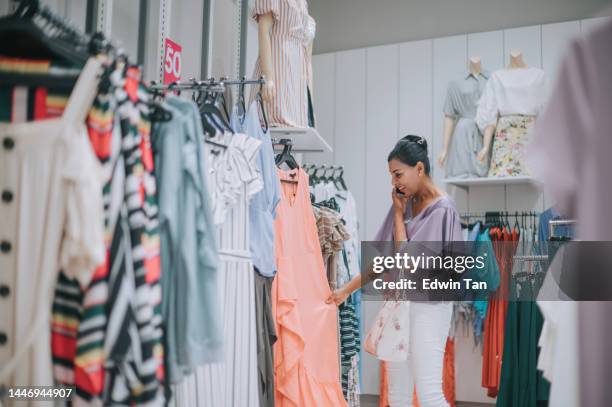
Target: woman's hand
(399,203)
(338,296)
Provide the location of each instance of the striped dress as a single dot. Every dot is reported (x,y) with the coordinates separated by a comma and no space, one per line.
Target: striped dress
(107,337)
(290,37)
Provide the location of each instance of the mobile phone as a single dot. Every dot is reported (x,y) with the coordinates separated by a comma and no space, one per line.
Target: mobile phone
(397,191)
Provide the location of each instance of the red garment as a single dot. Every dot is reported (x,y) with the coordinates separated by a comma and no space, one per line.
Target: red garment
(448,378)
(504,245)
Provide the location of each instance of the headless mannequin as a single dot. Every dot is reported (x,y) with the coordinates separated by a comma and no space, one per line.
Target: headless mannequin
(516,62)
(265,23)
(475,68)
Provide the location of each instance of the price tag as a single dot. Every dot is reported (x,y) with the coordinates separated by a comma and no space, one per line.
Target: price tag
(172,61)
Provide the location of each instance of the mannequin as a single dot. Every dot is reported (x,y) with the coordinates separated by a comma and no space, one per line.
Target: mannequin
(265,56)
(516,62)
(507,110)
(459,111)
(475,67)
(285,32)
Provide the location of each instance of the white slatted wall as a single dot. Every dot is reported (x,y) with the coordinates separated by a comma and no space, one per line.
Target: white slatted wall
(365,99)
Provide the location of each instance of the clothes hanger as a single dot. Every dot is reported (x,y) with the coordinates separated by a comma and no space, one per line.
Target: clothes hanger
(341,179)
(262,108)
(285,157)
(33,31)
(241,102)
(211,109)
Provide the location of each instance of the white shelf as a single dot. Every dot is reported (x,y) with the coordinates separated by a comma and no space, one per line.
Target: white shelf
(305,140)
(489,181)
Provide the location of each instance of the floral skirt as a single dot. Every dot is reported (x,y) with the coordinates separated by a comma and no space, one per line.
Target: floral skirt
(511,138)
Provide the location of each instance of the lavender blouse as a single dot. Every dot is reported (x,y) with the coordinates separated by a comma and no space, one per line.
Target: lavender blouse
(438,222)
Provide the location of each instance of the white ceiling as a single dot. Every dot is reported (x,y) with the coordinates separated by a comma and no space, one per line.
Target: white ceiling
(349,24)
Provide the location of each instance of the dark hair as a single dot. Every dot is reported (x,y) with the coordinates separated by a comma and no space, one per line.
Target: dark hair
(410,150)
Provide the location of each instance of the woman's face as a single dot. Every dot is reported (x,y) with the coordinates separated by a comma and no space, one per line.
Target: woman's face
(404,177)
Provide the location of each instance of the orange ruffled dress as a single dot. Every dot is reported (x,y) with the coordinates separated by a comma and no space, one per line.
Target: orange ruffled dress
(306,361)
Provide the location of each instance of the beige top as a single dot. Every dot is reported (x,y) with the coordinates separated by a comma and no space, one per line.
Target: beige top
(55,221)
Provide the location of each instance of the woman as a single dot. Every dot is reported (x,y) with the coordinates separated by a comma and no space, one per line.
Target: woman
(421,211)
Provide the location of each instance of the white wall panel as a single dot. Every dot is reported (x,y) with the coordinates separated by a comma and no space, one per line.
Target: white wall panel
(526,197)
(555,40)
(526,39)
(324,71)
(382,73)
(449,63)
(489,46)
(350,124)
(415,87)
(124,26)
(186,29)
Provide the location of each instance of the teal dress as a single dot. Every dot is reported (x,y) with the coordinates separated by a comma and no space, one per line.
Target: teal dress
(521,384)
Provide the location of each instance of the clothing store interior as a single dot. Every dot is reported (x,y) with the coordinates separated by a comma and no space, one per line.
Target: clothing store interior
(187,187)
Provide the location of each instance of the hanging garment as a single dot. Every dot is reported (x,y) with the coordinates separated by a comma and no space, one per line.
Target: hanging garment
(521,385)
(189,258)
(290,32)
(266,337)
(350,346)
(306,354)
(461,103)
(118,350)
(511,138)
(262,208)
(332,236)
(515,97)
(504,245)
(134,365)
(233,179)
(52,213)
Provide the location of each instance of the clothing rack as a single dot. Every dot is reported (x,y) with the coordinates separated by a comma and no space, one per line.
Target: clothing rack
(508,214)
(210,84)
(551,227)
(533,257)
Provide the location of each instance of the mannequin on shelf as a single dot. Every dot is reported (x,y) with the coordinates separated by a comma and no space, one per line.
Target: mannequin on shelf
(462,139)
(512,99)
(285,32)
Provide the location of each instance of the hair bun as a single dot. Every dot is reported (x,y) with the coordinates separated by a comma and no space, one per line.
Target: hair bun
(415,139)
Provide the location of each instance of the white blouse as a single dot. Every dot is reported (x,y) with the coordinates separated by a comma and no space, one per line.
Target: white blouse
(518,91)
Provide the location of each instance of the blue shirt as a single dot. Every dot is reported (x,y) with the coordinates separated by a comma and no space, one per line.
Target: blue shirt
(189,254)
(262,208)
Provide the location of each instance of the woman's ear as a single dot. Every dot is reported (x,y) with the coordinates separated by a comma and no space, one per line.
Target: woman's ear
(420,169)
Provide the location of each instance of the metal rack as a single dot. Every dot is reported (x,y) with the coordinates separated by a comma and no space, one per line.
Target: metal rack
(210,84)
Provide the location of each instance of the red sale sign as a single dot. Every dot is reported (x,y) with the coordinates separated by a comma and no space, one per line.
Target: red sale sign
(172,62)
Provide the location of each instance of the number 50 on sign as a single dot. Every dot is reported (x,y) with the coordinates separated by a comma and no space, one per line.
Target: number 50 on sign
(172,61)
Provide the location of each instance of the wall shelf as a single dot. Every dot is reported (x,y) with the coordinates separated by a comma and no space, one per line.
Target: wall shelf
(305,140)
(489,181)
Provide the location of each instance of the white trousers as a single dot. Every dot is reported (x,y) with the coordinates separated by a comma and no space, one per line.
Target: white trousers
(429,326)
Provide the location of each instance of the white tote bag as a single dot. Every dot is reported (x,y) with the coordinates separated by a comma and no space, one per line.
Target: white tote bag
(388,338)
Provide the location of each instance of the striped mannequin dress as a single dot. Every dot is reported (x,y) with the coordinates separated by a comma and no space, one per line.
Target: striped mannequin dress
(291,32)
